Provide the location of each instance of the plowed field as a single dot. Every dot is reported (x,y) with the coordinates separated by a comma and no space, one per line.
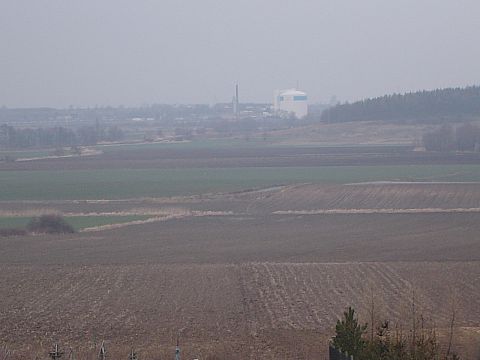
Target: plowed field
(260,274)
(238,305)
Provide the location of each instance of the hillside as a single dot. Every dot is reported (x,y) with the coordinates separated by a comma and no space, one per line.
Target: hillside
(437,106)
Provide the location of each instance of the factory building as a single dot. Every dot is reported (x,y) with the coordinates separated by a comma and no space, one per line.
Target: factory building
(291,101)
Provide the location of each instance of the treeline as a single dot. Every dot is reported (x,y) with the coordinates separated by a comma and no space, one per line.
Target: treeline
(447,138)
(453,104)
(56,137)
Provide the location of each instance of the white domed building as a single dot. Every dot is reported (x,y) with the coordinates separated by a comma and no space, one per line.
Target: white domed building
(291,101)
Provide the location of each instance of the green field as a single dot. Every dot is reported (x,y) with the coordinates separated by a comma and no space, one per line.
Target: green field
(129,183)
(78,222)
(25,154)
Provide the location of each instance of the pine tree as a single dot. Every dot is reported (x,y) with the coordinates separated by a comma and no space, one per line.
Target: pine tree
(349,334)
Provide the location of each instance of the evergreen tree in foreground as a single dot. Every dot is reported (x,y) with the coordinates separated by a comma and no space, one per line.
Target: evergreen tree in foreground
(349,334)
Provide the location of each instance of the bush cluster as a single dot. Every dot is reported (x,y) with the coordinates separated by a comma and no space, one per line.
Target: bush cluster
(49,224)
(12,232)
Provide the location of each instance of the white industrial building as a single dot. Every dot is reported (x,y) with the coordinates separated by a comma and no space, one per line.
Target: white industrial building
(291,101)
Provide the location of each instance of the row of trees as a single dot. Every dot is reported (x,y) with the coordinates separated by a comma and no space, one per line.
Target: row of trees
(56,137)
(418,343)
(425,106)
(447,138)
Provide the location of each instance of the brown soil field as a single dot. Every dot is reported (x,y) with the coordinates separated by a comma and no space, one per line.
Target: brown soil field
(427,197)
(364,132)
(423,197)
(247,275)
(281,238)
(246,157)
(243,308)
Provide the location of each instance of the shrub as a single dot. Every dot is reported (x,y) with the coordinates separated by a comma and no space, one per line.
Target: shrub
(50,224)
(12,232)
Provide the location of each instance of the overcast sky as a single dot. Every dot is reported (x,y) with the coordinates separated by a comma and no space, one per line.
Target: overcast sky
(111,52)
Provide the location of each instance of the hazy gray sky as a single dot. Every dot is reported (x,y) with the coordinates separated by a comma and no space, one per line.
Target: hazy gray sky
(112,52)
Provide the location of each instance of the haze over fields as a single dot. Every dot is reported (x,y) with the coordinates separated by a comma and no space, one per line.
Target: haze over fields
(140,206)
(111,52)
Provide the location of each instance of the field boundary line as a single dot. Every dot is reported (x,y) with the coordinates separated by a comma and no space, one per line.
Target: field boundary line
(376,211)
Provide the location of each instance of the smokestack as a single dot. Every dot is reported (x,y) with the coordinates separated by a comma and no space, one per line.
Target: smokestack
(236,94)
(236,108)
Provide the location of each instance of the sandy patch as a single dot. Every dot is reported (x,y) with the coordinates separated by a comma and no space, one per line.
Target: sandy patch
(136,222)
(86,152)
(157,218)
(414,182)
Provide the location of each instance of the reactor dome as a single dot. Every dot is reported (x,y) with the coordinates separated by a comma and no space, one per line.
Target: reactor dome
(291,101)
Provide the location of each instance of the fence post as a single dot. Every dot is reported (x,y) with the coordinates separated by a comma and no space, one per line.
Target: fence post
(55,354)
(102,355)
(133,355)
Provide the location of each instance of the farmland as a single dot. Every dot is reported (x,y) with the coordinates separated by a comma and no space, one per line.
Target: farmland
(247,253)
(128,183)
(239,306)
